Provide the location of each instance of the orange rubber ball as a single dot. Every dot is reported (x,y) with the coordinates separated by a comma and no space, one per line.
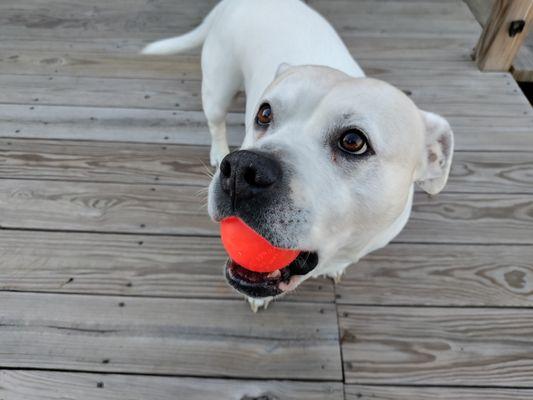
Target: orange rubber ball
(250,250)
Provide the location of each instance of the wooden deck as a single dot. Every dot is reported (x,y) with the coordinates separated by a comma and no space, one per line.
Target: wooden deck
(111,272)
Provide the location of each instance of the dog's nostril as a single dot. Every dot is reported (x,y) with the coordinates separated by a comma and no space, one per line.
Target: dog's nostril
(257,178)
(250,176)
(225,168)
(245,174)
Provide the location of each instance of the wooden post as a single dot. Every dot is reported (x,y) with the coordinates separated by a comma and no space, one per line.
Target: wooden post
(503,34)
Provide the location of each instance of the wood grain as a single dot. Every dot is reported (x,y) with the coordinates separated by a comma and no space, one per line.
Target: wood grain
(421,18)
(437,346)
(102,65)
(441,275)
(496,48)
(210,338)
(490,133)
(113,162)
(366,45)
(522,67)
(180,210)
(55,205)
(100,19)
(491,173)
(182,267)
(38,385)
(145,19)
(456,94)
(103,92)
(182,66)
(115,124)
(358,392)
(476,218)
(479,172)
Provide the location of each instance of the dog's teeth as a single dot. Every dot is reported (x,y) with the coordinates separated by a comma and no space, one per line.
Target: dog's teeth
(275,274)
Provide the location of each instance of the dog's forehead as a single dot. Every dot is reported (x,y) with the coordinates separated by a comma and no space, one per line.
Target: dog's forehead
(304,85)
(377,107)
(324,98)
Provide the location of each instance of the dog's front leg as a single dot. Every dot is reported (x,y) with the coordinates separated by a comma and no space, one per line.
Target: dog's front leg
(256,304)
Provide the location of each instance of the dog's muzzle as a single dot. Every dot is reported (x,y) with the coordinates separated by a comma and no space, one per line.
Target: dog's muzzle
(251,184)
(259,284)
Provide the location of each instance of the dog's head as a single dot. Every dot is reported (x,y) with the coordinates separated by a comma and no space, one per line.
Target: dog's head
(327,166)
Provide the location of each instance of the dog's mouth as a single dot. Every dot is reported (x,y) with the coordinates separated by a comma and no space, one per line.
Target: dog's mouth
(263,284)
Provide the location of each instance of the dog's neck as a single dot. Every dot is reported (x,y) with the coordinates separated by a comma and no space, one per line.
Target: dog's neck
(350,254)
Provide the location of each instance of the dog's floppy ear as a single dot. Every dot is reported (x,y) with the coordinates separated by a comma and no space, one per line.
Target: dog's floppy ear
(281,69)
(436,157)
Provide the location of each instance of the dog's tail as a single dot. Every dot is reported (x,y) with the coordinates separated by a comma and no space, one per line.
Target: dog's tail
(190,40)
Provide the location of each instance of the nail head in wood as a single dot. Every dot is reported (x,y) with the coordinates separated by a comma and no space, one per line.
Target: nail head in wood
(516,27)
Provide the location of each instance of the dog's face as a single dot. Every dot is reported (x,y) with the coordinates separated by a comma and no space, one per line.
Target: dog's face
(327,167)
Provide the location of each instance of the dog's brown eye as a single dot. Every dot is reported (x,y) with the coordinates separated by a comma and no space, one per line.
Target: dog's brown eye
(264,115)
(353,142)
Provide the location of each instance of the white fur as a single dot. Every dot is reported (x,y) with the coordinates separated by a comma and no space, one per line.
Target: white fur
(283,52)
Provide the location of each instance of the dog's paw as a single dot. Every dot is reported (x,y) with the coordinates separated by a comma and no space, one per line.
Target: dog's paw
(217,154)
(257,304)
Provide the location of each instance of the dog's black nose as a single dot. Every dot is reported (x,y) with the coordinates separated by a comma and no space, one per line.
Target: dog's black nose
(244,174)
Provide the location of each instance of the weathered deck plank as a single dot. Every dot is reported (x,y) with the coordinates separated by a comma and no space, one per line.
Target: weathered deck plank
(101,207)
(38,385)
(216,338)
(417,17)
(454,93)
(400,274)
(180,66)
(472,172)
(437,346)
(180,210)
(472,133)
(116,124)
(476,218)
(441,275)
(357,392)
(182,267)
(141,18)
(153,164)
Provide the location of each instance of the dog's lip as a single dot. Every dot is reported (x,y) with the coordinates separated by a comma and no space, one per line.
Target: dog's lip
(261,284)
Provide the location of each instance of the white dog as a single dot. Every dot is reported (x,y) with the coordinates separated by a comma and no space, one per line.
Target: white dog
(330,157)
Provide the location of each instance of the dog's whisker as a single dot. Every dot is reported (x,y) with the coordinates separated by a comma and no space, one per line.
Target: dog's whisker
(203,190)
(207,170)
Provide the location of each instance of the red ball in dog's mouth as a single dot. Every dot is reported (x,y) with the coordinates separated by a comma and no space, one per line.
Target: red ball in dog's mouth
(252,251)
